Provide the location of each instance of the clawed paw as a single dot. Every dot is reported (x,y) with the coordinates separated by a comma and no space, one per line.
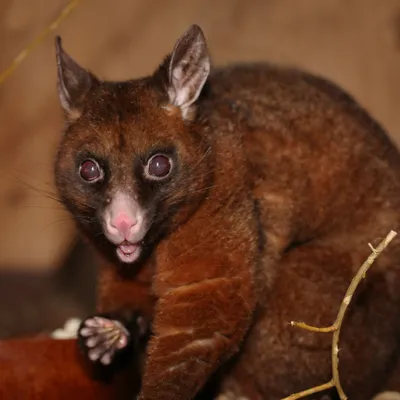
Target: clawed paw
(103,338)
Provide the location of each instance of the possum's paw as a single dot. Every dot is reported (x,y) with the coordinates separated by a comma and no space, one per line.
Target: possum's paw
(112,342)
(102,338)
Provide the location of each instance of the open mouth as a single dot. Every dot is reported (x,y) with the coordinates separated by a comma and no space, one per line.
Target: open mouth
(128,252)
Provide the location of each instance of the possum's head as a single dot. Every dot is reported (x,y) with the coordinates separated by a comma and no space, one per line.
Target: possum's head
(133,162)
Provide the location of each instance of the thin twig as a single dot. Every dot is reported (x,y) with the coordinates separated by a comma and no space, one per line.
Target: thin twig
(336,326)
(37,40)
(311,328)
(313,390)
(345,303)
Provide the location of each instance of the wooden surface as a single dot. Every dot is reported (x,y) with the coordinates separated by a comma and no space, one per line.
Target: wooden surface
(356,43)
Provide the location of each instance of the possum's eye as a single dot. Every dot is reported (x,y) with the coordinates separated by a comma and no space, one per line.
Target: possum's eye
(90,171)
(158,167)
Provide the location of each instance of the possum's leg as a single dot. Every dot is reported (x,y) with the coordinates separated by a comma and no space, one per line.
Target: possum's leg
(112,339)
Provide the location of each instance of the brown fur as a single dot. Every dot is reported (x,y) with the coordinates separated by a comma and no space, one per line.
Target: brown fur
(288,180)
(208,293)
(297,181)
(46,369)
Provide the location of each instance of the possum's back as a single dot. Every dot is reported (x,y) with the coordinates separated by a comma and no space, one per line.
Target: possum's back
(308,142)
(304,105)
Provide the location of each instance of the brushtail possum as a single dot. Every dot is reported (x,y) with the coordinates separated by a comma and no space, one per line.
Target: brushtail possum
(242,198)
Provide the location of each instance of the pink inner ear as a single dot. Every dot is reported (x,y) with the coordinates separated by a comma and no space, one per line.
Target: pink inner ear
(74,82)
(189,68)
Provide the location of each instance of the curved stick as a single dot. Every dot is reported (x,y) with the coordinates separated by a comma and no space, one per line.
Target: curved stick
(336,326)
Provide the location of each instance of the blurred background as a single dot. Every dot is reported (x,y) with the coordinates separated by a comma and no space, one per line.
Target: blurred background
(46,274)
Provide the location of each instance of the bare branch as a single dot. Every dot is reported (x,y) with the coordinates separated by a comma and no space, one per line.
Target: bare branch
(311,328)
(336,326)
(312,390)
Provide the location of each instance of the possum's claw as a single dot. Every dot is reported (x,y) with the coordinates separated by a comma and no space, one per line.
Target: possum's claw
(103,338)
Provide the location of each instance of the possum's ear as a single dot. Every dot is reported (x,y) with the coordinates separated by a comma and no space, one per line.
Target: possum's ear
(189,67)
(73,83)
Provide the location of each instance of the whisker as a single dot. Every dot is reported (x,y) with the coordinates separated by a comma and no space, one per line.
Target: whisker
(189,176)
(46,193)
(55,222)
(45,207)
(73,218)
(97,234)
(202,158)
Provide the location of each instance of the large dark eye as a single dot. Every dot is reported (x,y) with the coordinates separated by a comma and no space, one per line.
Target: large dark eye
(158,167)
(90,171)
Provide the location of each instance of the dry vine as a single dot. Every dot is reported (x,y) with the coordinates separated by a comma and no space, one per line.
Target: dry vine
(336,326)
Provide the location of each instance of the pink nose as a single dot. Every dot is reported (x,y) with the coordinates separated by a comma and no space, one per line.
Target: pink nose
(123,224)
